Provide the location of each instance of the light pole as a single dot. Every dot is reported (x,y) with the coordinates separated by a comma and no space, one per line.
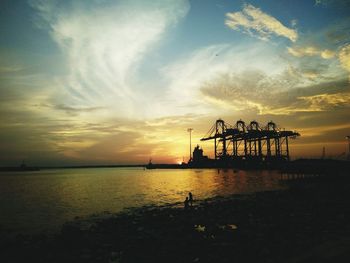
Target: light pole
(190,131)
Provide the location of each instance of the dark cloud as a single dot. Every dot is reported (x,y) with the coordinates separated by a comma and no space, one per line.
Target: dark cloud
(74,110)
(339,34)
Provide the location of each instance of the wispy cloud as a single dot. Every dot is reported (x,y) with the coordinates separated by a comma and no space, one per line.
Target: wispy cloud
(9,69)
(105,45)
(311,51)
(222,78)
(252,19)
(204,66)
(344,58)
(322,102)
(287,92)
(74,110)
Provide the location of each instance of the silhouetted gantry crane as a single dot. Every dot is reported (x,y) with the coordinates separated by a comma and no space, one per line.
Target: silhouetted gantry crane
(249,142)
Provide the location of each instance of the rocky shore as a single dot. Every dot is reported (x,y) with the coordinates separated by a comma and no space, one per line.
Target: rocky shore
(310,222)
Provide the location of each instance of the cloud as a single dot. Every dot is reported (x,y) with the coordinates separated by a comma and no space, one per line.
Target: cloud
(294,22)
(187,75)
(172,120)
(205,66)
(221,78)
(285,93)
(338,33)
(310,51)
(105,45)
(249,89)
(9,69)
(252,19)
(74,110)
(323,102)
(340,3)
(344,57)
(52,134)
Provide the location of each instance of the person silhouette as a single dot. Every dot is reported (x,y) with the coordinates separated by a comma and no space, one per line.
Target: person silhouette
(190,198)
(186,203)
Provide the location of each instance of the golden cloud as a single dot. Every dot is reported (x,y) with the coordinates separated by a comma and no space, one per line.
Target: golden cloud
(253,19)
(310,51)
(323,101)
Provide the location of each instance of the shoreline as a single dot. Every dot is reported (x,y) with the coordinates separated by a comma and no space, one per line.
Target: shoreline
(301,165)
(305,222)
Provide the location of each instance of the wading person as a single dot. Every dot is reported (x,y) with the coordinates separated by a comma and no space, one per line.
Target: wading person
(190,198)
(186,203)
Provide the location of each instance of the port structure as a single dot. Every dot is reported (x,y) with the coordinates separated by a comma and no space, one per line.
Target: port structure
(249,142)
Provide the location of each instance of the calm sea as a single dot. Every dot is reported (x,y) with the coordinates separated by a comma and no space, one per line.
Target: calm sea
(44,200)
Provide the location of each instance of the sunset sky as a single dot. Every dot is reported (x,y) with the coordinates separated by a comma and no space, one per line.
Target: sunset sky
(115,82)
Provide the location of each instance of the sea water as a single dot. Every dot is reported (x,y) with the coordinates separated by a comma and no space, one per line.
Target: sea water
(32,202)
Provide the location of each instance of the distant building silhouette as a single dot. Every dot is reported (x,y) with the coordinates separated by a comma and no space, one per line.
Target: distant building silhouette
(198,156)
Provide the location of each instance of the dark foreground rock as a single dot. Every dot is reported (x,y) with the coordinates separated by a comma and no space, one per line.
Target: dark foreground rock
(310,222)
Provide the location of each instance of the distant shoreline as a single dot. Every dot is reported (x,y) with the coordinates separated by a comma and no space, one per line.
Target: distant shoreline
(299,166)
(37,168)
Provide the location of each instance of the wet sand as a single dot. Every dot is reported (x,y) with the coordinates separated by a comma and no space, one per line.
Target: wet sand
(310,222)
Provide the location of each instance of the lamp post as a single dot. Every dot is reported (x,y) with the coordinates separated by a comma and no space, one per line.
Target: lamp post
(190,131)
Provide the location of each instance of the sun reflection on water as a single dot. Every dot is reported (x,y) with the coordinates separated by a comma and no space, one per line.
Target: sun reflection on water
(47,199)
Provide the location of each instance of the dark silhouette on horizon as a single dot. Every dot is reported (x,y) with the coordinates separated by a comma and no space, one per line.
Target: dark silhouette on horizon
(252,141)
